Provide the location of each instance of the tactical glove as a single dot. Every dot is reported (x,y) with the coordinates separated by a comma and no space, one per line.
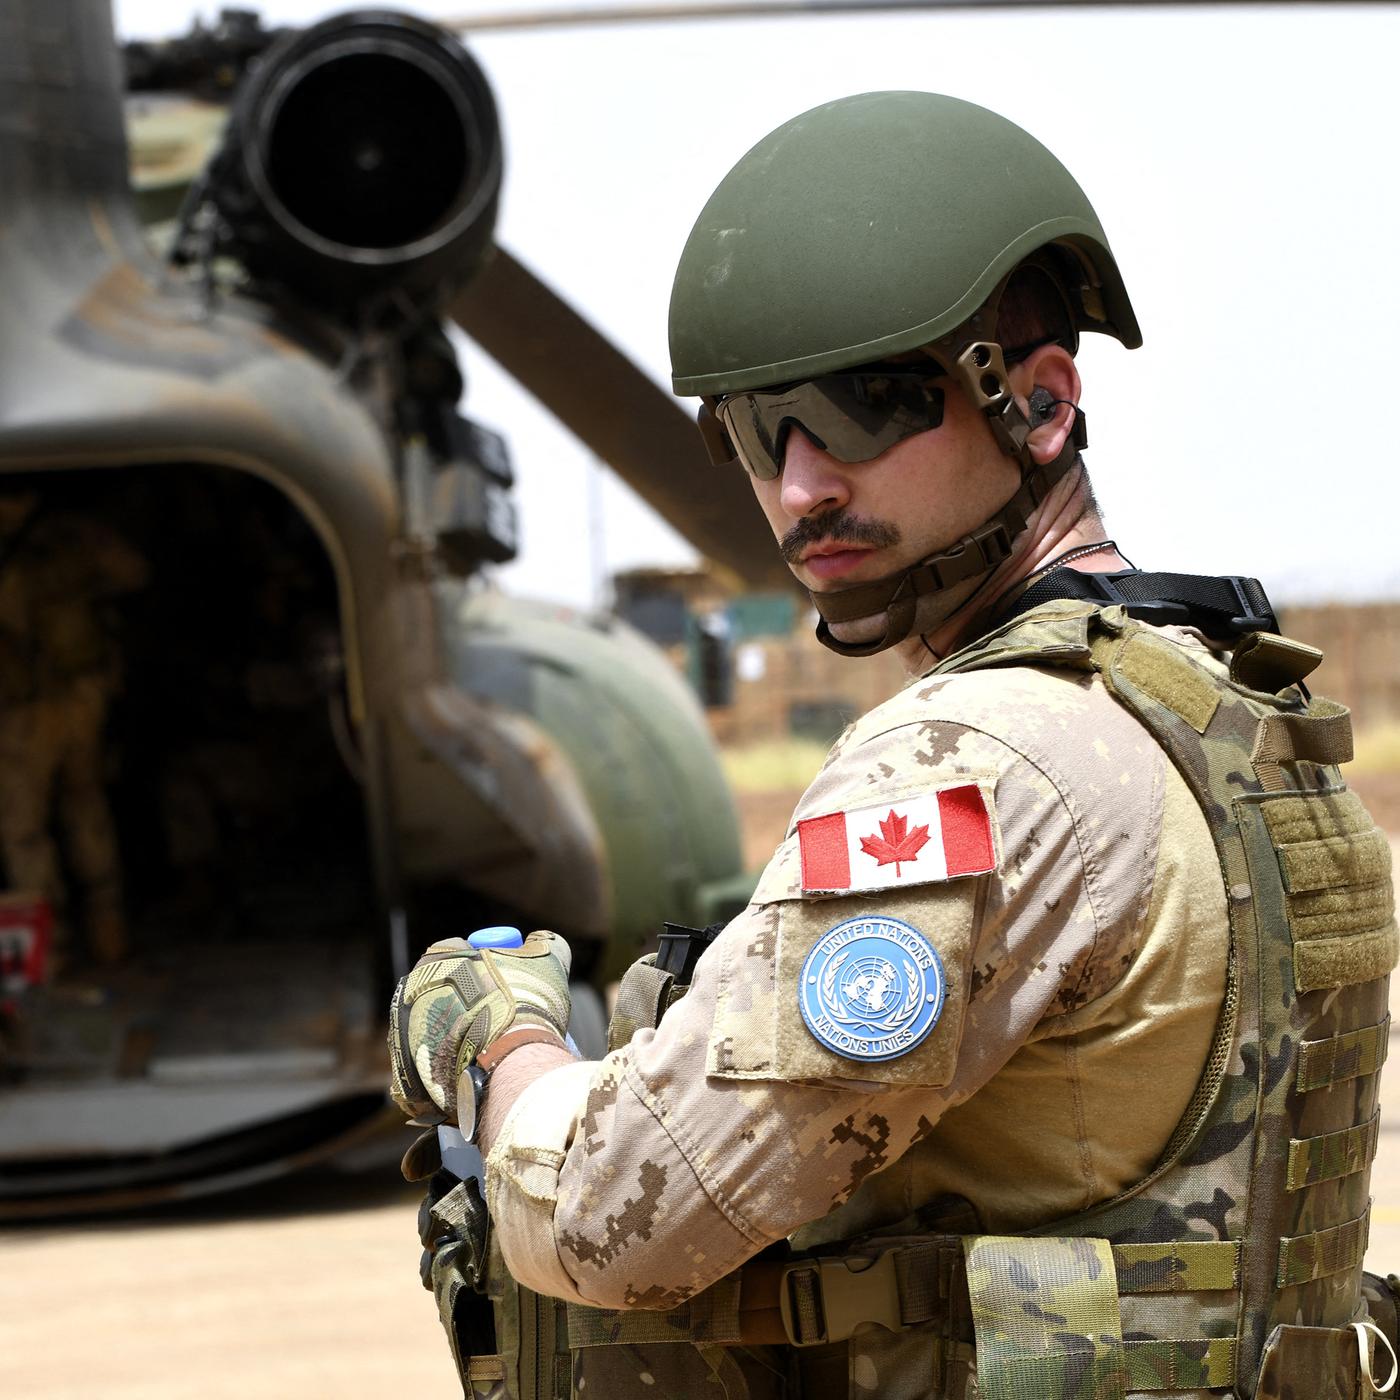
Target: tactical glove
(457,1001)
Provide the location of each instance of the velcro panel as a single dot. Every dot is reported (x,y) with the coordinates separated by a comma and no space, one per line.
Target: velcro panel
(1345,962)
(1180,1266)
(1196,1363)
(1158,670)
(1315,816)
(1315,1159)
(1336,913)
(1046,1317)
(1336,869)
(1303,1258)
(1335,861)
(1352,1055)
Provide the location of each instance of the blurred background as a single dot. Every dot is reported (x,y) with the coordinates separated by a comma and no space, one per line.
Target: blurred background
(1238,157)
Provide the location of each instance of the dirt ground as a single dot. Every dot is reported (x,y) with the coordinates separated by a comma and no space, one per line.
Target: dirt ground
(306,1288)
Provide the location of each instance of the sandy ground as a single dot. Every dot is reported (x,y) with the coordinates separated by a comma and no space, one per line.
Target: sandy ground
(307,1288)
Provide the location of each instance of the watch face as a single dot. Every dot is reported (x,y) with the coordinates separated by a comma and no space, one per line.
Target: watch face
(469,1090)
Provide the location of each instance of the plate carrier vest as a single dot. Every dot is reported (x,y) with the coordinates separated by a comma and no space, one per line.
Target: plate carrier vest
(1235,1266)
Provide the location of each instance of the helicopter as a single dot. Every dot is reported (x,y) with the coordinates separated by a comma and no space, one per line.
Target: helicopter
(325,742)
(331,742)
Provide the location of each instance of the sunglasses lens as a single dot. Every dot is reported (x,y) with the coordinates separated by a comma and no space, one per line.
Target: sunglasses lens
(759,437)
(854,417)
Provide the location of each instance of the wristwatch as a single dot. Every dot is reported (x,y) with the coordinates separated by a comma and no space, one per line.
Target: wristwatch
(457,1143)
(471,1087)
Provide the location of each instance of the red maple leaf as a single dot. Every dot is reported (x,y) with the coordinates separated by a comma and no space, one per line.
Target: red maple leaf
(898,844)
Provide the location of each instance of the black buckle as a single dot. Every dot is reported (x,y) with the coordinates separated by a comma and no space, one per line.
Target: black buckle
(1159,612)
(1248,620)
(679,949)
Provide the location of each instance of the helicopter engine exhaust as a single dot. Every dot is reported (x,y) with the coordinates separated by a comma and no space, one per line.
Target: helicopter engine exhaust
(363,155)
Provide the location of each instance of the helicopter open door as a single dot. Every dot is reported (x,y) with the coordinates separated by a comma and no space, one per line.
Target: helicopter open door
(234,1010)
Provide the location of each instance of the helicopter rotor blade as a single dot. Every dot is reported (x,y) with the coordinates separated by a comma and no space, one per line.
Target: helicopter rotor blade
(615,409)
(643,11)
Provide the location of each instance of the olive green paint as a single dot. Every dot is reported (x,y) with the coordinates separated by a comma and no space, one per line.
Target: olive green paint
(870,226)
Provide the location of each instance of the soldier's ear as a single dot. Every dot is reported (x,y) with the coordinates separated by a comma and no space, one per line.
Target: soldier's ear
(1050,381)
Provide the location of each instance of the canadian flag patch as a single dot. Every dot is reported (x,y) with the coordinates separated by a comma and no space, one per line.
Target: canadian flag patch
(934,836)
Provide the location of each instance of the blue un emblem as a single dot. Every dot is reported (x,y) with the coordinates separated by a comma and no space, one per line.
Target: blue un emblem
(872,988)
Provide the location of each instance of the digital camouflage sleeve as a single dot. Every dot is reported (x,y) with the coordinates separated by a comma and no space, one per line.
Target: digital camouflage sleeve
(1086,966)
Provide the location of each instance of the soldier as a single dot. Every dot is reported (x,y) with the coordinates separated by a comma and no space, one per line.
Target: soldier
(59,668)
(1044,1061)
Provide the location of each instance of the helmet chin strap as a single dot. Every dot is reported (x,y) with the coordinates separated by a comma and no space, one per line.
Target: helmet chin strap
(915,599)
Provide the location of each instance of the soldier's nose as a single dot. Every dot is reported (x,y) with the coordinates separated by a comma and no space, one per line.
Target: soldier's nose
(813,480)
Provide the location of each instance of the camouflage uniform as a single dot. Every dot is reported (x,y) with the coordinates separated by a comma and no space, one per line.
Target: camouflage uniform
(58,670)
(1096,1045)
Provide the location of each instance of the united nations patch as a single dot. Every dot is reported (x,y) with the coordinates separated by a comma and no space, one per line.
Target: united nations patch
(872,988)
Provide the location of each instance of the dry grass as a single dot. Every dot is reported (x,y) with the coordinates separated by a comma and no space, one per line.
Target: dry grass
(777,765)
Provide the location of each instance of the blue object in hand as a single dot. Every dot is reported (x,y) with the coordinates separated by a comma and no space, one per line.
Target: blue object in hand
(499,936)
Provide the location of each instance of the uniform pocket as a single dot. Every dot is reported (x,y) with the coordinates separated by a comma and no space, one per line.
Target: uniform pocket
(1316,1363)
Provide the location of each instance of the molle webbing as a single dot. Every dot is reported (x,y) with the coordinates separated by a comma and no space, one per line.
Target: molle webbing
(1322,1063)
(929,1294)
(1184,1266)
(1310,907)
(1308,1257)
(1330,1155)
(1062,1287)
(1198,1363)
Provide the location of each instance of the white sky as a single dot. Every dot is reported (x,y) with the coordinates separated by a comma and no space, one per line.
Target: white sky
(1242,161)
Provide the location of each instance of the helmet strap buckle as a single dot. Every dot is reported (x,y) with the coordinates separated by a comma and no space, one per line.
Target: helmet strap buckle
(995,542)
(980,369)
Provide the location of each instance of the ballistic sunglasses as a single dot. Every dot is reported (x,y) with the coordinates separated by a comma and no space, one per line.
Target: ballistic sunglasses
(854,416)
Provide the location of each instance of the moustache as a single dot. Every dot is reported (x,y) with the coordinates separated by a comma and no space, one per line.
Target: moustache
(838,526)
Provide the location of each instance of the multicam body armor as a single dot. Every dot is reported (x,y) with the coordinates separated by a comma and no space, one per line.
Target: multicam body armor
(1235,1266)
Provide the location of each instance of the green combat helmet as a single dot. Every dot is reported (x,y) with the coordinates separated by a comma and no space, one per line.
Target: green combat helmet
(876,225)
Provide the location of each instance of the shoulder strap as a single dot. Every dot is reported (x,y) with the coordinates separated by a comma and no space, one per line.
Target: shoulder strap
(1224,607)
